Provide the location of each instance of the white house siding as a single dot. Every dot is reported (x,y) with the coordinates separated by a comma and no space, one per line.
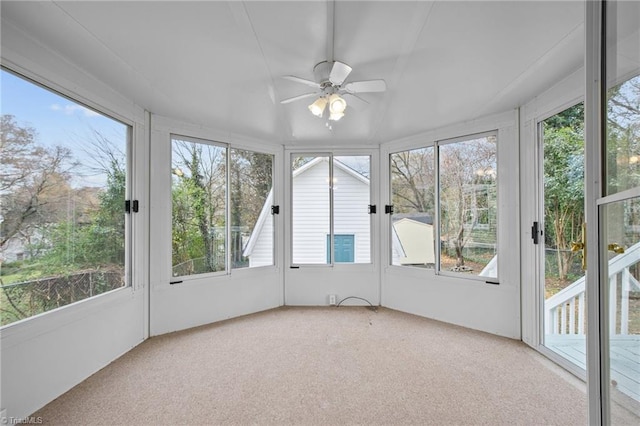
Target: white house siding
(351,200)
(262,253)
(310,216)
(310,220)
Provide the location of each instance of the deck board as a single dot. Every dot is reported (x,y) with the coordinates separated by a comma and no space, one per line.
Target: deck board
(624,358)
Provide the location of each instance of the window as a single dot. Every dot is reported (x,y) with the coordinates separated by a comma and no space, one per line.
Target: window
(221,216)
(252,232)
(199,203)
(330,200)
(63,184)
(467,197)
(413,199)
(461,216)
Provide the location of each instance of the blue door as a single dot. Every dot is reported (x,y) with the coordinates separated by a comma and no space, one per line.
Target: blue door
(343,246)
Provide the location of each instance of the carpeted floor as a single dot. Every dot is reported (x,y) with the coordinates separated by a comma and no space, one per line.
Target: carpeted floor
(326,366)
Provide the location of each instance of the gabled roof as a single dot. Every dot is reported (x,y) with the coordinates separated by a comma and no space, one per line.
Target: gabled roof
(266,208)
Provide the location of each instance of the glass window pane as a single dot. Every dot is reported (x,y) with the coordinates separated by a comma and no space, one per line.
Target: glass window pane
(63,173)
(620,221)
(250,181)
(198,192)
(413,198)
(310,183)
(564,295)
(621,229)
(351,199)
(623,97)
(468,206)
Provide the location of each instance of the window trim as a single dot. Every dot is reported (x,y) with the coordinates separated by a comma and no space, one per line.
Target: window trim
(444,142)
(228,269)
(436,144)
(330,155)
(130,284)
(196,140)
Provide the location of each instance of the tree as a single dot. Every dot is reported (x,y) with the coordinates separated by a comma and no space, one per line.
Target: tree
(467,171)
(564,184)
(623,136)
(33,180)
(250,183)
(413,181)
(199,200)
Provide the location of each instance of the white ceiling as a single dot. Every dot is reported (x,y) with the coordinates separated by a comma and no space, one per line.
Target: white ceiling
(220,63)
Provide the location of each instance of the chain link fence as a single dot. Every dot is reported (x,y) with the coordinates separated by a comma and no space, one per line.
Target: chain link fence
(29,298)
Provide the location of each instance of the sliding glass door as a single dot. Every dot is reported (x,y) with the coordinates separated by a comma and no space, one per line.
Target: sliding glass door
(613,209)
(561,153)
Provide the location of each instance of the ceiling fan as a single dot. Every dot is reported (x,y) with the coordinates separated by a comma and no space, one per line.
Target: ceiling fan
(330,85)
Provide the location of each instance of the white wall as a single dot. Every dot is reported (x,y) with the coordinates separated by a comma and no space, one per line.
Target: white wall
(467,302)
(47,355)
(205,298)
(44,356)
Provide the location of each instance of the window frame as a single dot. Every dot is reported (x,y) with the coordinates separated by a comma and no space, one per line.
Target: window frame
(436,221)
(196,140)
(228,147)
(331,155)
(436,143)
(131,284)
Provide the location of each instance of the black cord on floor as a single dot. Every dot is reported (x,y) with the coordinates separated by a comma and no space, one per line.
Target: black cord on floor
(373,308)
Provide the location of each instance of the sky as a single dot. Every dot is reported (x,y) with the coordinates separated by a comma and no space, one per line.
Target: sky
(58,120)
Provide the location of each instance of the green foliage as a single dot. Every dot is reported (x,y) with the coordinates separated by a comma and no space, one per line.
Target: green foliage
(73,237)
(564,184)
(199,204)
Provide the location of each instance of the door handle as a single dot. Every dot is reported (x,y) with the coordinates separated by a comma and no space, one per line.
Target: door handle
(616,248)
(582,246)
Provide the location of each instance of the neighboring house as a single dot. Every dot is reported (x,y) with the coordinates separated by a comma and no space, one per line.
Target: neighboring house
(259,248)
(14,250)
(310,217)
(21,246)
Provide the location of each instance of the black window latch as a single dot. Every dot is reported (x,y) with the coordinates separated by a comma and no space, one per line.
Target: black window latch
(535,233)
(275,209)
(130,206)
(388,209)
(372,209)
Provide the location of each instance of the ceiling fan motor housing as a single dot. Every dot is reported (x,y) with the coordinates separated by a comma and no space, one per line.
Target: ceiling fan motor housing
(321,73)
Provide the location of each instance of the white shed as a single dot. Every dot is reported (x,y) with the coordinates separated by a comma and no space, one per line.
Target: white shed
(310,217)
(416,241)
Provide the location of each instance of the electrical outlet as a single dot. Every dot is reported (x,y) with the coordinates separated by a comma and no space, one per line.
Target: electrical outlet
(333,299)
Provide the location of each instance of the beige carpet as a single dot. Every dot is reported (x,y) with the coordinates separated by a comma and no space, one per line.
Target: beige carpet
(326,366)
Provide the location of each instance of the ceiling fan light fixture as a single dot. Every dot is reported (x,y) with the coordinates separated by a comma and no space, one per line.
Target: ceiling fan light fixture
(317,107)
(337,105)
(335,116)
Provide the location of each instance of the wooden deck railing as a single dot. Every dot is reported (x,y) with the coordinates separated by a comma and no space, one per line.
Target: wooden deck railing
(564,312)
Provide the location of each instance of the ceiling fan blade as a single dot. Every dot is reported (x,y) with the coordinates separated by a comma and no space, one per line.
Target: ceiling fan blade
(296,98)
(339,73)
(348,95)
(302,80)
(366,86)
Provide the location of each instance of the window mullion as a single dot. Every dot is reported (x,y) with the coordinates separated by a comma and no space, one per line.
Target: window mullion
(436,216)
(331,217)
(227,242)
